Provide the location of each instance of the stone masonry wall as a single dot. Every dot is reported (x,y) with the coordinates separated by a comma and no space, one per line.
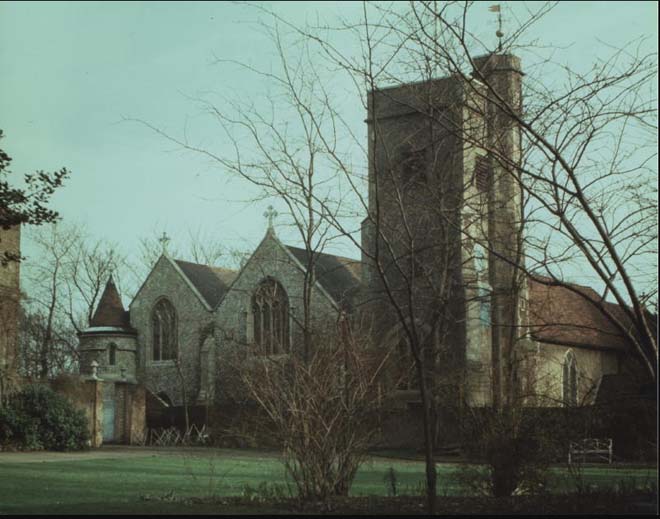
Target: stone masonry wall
(474,250)
(9,309)
(192,319)
(416,174)
(233,316)
(591,366)
(86,395)
(95,347)
(137,416)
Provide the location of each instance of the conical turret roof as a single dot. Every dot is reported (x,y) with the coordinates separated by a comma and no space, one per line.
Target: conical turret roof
(110,310)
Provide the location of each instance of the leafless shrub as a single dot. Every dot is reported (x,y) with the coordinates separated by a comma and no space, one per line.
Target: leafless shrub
(323,412)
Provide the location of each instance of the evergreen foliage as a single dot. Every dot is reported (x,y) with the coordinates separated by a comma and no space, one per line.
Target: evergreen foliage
(38,418)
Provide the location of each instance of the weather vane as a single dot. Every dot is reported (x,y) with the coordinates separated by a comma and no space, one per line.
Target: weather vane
(497,9)
(270,214)
(164,240)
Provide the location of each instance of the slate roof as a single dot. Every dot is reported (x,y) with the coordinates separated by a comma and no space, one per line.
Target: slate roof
(339,276)
(110,310)
(211,282)
(558,315)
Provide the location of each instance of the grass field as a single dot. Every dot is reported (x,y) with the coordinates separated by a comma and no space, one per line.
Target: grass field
(121,485)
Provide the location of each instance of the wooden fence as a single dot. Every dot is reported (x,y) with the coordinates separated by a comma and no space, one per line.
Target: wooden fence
(171,436)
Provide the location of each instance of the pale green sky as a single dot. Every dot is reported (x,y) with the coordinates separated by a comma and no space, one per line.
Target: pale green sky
(72,70)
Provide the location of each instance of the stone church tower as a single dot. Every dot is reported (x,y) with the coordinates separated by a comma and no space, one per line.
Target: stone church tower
(444,221)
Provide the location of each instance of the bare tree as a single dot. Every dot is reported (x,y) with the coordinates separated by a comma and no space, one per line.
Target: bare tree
(90,267)
(323,410)
(47,348)
(588,147)
(416,276)
(581,164)
(65,282)
(548,152)
(48,277)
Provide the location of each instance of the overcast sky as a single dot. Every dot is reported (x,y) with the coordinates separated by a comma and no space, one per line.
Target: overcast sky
(72,71)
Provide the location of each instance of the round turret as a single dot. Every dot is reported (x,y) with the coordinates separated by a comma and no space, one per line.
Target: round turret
(110,340)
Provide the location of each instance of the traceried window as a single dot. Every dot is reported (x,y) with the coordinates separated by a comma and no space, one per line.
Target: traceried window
(570,380)
(163,322)
(270,312)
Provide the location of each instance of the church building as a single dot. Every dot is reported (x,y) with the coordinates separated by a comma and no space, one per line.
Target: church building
(439,245)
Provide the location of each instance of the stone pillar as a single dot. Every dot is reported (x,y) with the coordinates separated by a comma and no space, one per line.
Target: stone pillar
(137,422)
(95,412)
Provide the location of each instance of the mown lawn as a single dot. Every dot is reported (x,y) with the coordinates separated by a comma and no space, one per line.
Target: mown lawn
(128,485)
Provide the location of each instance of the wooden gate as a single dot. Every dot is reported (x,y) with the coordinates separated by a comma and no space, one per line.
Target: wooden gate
(109,413)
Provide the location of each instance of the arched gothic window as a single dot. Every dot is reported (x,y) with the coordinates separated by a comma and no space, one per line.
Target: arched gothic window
(163,322)
(270,312)
(112,354)
(570,380)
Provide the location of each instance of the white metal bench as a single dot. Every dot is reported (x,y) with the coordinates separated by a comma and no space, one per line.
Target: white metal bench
(600,449)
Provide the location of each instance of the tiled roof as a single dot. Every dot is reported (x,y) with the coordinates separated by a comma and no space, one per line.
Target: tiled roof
(339,276)
(110,310)
(211,282)
(559,315)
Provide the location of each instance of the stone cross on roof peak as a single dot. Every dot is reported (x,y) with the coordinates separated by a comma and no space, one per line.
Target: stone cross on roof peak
(164,240)
(271,214)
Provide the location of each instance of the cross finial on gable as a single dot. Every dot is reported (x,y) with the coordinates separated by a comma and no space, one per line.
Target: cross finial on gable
(271,214)
(164,240)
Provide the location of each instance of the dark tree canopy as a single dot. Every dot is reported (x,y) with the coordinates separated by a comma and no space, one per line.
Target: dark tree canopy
(28,204)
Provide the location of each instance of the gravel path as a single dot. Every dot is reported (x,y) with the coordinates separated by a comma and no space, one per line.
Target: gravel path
(125,451)
(44,456)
